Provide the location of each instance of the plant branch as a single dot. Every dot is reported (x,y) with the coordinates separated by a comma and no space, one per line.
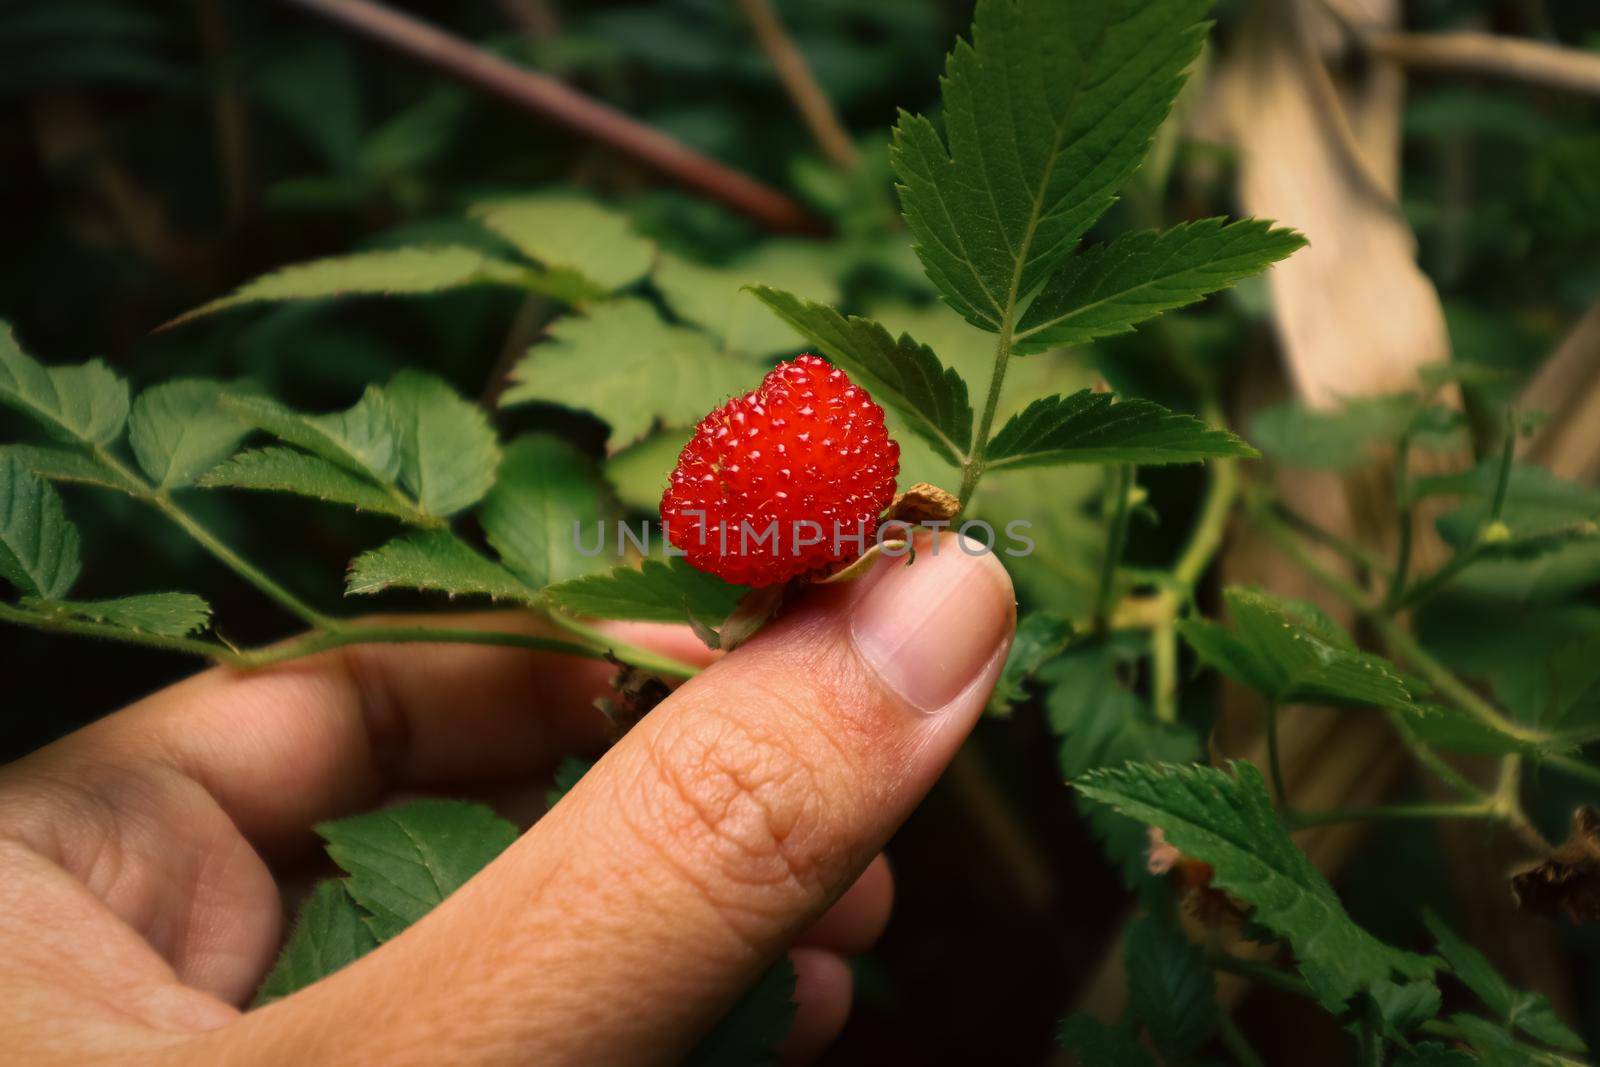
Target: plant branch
(799,81)
(1205,540)
(1542,66)
(972,471)
(1391,812)
(1274,763)
(1405,514)
(1259,973)
(550,99)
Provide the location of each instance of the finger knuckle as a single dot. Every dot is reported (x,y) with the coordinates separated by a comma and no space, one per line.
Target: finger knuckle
(742,808)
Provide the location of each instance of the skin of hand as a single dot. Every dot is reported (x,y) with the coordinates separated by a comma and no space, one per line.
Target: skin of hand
(742,818)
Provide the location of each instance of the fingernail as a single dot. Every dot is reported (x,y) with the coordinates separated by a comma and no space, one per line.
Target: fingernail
(930,626)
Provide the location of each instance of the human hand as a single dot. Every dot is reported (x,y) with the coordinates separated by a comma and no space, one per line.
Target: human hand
(744,815)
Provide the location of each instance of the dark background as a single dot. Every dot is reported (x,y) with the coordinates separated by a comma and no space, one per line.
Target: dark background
(153,155)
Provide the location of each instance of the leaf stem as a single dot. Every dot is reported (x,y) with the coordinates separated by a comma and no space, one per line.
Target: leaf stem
(1273,762)
(1205,540)
(1119,486)
(1405,509)
(1259,973)
(1393,812)
(972,472)
(357,634)
(631,654)
(190,646)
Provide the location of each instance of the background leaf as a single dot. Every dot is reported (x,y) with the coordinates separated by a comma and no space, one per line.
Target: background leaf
(381,272)
(548,499)
(284,470)
(1096,1044)
(38,546)
(86,403)
(715,297)
(403,861)
(631,369)
(749,1035)
(1040,637)
(1529,1012)
(448,451)
(1228,822)
(1170,987)
(588,250)
(366,439)
(180,430)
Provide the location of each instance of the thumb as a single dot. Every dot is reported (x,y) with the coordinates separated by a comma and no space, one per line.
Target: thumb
(619,928)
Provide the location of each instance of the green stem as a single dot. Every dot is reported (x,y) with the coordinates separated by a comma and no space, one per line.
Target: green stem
(1508,455)
(356,634)
(972,472)
(239,565)
(1259,973)
(1205,540)
(1273,762)
(1431,760)
(1235,1042)
(1119,485)
(1430,586)
(1164,670)
(1362,557)
(631,654)
(1404,507)
(1480,810)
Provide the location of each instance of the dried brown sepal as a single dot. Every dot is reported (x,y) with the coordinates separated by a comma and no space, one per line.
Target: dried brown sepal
(862,564)
(1568,883)
(755,609)
(637,692)
(1213,908)
(923,502)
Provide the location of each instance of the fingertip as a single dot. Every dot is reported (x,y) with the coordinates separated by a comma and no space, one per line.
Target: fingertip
(823,991)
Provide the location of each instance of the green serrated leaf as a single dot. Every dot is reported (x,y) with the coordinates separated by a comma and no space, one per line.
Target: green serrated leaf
(1432,1054)
(436,561)
(1171,990)
(68,465)
(1447,727)
(1041,636)
(329,933)
(180,430)
(655,592)
(403,861)
(448,451)
(1497,1048)
(382,272)
(588,251)
(166,614)
(1099,720)
(38,545)
(284,470)
(627,366)
(366,439)
(1229,822)
(1110,288)
(86,404)
(547,501)
(901,374)
(1404,1006)
(1097,1045)
(1529,1012)
(1088,427)
(714,297)
(749,1035)
(1347,436)
(1290,655)
(1047,112)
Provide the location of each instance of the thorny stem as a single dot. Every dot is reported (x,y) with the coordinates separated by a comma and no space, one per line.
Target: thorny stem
(1119,487)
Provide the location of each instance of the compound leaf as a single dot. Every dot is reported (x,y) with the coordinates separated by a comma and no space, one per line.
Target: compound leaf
(1047,112)
(179,430)
(59,464)
(329,933)
(38,545)
(403,861)
(448,451)
(1110,288)
(87,404)
(547,500)
(435,560)
(1170,988)
(900,373)
(1229,822)
(1089,427)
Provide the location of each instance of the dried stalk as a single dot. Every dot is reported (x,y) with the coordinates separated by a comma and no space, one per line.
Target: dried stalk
(801,84)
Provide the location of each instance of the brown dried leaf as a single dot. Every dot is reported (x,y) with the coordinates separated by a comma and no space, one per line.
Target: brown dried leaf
(1568,883)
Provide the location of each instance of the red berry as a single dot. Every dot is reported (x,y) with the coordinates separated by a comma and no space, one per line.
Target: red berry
(807,447)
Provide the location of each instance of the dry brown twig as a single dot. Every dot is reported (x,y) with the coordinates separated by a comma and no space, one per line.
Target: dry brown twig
(789,63)
(551,99)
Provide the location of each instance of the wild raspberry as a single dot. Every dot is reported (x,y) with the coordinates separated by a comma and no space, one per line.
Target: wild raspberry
(783,481)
